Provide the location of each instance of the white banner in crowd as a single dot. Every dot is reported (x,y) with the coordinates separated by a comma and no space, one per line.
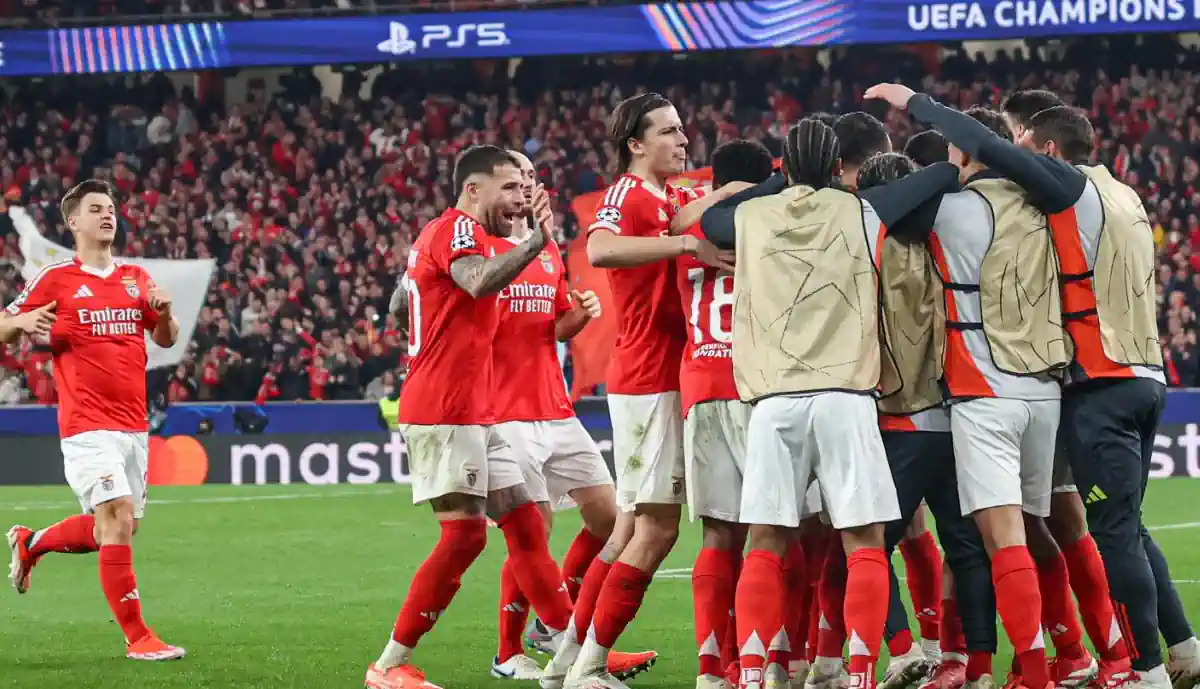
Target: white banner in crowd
(186,282)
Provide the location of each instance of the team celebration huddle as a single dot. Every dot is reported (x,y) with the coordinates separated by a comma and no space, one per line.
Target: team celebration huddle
(811,355)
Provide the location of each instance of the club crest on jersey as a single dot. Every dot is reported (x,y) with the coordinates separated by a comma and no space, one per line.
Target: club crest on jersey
(547,263)
(609,214)
(131,287)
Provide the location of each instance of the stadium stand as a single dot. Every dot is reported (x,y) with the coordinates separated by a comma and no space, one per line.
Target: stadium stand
(309,205)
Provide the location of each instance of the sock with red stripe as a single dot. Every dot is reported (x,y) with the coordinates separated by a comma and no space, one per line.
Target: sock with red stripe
(1019,603)
(923,566)
(1059,616)
(867,588)
(583,550)
(712,598)
(619,602)
(815,544)
(514,610)
(831,599)
(759,606)
(438,578)
(535,569)
(1089,582)
(589,593)
(75,534)
(120,588)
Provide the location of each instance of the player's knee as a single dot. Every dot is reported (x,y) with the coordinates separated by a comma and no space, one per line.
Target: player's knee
(501,502)
(1037,536)
(658,526)
(1001,527)
(722,535)
(469,543)
(1067,521)
(115,522)
(859,537)
(773,539)
(598,509)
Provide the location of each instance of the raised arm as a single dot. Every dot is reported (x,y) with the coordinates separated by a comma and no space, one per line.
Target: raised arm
(479,276)
(717,222)
(1053,184)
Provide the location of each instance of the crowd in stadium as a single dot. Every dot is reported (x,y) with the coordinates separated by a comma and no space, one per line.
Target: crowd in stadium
(309,205)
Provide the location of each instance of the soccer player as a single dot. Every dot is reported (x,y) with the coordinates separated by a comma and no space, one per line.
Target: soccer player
(806,354)
(560,462)
(460,464)
(105,307)
(927,148)
(714,419)
(1115,388)
(630,236)
(1005,347)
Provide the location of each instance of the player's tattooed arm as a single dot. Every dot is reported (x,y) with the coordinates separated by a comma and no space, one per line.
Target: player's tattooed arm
(479,276)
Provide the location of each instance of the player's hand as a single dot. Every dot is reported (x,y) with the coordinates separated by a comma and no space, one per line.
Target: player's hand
(588,301)
(897,95)
(159,301)
(707,253)
(730,188)
(543,215)
(38,322)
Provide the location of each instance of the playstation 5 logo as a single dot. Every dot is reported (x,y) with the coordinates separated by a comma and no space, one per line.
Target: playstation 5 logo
(398,43)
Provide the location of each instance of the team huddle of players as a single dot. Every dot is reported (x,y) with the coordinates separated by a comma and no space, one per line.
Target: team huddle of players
(804,358)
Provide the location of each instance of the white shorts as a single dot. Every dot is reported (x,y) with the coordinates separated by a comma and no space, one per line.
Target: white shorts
(813,505)
(648,449)
(471,460)
(555,457)
(714,450)
(102,466)
(1004,453)
(834,435)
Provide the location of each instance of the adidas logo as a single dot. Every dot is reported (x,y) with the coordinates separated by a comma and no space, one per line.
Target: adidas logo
(132,595)
(431,616)
(1095,495)
(83,292)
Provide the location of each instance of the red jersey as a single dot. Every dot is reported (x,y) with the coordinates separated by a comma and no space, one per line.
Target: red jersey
(706,295)
(449,332)
(527,379)
(651,327)
(98,342)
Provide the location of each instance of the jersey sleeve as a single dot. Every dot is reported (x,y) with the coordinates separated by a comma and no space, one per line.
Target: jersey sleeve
(562,296)
(37,293)
(619,210)
(455,240)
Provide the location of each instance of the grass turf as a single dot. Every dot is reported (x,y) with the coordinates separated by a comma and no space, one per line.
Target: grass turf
(298,586)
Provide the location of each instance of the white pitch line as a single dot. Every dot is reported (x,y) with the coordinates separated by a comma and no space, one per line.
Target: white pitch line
(1171,527)
(32,506)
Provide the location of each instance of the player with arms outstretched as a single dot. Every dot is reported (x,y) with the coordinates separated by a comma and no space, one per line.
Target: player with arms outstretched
(96,310)
(630,236)
(460,465)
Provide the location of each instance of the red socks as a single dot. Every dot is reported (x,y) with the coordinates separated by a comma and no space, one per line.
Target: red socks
(619,602)
(535,569)
(514,610)
(75,534)
(831,599)
(589,593)
(759,610)
(867,587)
(951,637)
(1090,584)
(1019,602)
(901,643)
(923,566)
(438,578)
(712,599)
(1058,607)
(729,645)
(120,588)
(583,550)
(795,606)
(979,663)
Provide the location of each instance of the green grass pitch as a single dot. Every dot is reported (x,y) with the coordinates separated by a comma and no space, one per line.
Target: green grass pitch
(298,587)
